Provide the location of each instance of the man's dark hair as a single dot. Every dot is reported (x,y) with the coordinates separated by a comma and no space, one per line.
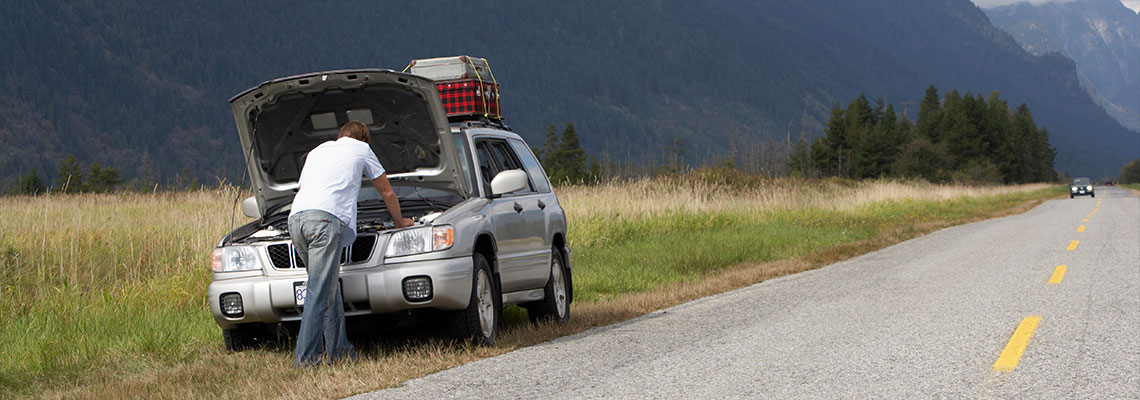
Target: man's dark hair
(356,130)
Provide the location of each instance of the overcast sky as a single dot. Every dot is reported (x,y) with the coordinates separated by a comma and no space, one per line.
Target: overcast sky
(1133,4)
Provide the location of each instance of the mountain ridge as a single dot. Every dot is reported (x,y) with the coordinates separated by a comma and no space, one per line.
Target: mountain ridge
(1102,36)
(143,86)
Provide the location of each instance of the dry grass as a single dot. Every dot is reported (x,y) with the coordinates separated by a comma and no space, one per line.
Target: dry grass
(85,272)
(727,191)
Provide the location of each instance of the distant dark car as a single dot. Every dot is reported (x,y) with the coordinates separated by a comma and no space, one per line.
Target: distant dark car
(1081,187)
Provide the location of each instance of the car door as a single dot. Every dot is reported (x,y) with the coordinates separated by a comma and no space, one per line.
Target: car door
(544,198)
(513,217)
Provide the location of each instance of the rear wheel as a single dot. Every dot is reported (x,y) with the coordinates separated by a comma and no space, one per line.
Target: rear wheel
(555,304)
(479,322)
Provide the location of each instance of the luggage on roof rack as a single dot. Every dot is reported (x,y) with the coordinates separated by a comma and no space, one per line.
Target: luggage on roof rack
(466,85)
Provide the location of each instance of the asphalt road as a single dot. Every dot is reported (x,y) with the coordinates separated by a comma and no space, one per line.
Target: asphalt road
(928,318)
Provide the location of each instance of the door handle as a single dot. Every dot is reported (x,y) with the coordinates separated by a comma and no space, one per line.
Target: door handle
(518,208)
(541,205)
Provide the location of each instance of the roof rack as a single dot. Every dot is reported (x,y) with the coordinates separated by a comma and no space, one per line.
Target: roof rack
(480,122)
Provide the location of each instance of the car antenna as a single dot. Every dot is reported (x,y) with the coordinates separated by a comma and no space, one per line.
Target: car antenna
(245,172)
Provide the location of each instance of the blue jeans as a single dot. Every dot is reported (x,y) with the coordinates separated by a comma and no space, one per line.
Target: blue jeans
(318,238)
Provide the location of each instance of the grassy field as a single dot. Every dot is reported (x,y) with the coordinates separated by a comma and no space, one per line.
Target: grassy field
(104,295)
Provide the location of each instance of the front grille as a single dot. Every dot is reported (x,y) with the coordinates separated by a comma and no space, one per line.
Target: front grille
(279,255)
(361,249)
(284,256)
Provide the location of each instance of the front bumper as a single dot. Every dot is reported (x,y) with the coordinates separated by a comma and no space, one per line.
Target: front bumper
(372,290)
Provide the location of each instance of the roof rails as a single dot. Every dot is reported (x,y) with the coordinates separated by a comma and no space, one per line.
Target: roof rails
(480,122)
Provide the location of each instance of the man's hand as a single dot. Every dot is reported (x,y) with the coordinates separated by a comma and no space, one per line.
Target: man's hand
(381,184)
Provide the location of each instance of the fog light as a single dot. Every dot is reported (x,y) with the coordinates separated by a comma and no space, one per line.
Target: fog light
(231,305)
(417,288)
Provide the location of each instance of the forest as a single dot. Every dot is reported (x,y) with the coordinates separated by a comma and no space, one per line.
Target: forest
(960,138)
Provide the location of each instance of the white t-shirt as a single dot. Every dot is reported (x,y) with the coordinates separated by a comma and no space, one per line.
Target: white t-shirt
(330,179)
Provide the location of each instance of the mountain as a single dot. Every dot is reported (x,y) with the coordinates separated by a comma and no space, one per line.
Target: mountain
(143,85)
(1101,36)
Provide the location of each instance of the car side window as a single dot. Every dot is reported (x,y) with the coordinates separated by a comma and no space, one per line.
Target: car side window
(537,175)
(487,166)
(508,160)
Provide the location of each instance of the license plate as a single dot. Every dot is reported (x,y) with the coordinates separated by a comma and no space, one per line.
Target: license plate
(299,293)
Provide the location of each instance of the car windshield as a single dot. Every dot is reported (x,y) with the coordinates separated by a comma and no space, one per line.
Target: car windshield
(1081,181)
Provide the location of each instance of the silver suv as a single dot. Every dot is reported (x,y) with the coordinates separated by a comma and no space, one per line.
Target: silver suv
(489,229)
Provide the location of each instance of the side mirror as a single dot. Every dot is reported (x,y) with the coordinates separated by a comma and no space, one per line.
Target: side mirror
(509,181)
(249,207)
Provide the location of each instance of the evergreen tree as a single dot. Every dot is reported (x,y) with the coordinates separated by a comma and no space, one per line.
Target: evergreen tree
(550,146)
(70,175)
(961,137)
(572,155)
(905,132)
(860,116)
(30,184)
(997,130)
(92,183)
(875,151)
(828,151)
(564,159)
(880,111)
(929,113)
(800,162)
(102,179)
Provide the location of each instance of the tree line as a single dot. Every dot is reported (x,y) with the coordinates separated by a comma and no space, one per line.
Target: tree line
(71,178)
(1130,173)
(958,138)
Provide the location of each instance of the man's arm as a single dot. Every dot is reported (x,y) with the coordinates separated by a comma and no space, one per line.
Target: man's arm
(385,189)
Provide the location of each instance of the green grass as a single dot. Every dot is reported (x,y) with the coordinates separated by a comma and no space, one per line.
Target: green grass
(639,254)
(89,299)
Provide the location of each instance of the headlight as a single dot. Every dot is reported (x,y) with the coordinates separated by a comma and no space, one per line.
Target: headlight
(1089,188)
(234,258)
(420,240)
(1072,188)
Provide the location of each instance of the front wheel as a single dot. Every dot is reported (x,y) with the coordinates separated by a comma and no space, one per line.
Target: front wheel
(479,322)
(1092,194)
(555,304)
(243,337)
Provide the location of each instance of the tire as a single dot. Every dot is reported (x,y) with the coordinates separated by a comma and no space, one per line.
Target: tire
(555,304)
(1070,195)
(1093,194)
(479,322)
(243,337)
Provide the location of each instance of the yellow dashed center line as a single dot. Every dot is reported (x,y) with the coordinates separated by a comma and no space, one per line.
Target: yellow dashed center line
(1073,245)
(1081,228)
(1011,356)
(1085,220)
(1058,274)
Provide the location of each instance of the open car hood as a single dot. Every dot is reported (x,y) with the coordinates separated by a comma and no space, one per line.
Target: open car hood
(280,121)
